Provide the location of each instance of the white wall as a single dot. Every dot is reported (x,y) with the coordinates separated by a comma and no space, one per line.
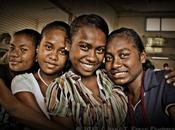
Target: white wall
(28,14)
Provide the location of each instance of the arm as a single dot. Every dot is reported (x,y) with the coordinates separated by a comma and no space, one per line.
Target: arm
(168,102)
(29,93)
(171,111)
(28,99)
(65,121)
(24,113)
(170,77)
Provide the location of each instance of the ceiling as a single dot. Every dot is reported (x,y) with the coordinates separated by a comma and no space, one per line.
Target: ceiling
(143,6)
(123,7)
(51,8)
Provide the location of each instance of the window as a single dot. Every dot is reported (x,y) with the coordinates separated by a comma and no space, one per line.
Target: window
(168,24)
(153,24)
(160,24)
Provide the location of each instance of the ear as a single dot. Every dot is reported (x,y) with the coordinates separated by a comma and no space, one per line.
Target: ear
(143,57)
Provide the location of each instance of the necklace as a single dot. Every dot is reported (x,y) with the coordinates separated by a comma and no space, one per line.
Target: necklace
(39,75)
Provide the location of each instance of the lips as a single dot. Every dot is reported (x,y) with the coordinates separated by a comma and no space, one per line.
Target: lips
(88,66)
(51,64)
(14,62)
(119,74)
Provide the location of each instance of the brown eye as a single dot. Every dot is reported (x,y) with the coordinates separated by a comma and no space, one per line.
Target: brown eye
(84,46)
(101,50)
(48,47)
(63,52)
(23,50)
(108,58)
(124,55)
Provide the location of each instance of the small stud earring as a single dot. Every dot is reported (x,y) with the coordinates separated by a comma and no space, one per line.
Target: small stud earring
(66,49)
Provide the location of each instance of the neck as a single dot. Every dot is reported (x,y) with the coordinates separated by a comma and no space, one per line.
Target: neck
(47,78)
(89,79)
(136,84)
(91,83)
(134,88)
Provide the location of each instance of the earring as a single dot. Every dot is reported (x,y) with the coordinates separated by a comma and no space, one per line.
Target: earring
(37,50)
(104,60)
(66,49)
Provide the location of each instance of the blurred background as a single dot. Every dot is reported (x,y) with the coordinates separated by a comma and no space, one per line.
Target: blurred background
(154,20)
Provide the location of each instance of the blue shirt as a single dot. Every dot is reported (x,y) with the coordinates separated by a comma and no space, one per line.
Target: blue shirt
(158,96)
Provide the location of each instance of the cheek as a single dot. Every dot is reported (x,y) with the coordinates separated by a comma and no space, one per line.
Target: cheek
(42,54)
(134,65)
(100,57)
(29,59)
(62,60)
(75,54)
(107,66)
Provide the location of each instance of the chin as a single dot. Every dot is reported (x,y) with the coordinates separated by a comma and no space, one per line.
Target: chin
(14,69)
(119,81)
(86,74)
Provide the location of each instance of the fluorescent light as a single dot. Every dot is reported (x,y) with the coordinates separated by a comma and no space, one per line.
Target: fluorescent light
(160,58)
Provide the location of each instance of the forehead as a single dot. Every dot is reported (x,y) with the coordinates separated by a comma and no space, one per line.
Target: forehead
(54,36)
(119,43)
(23,40)
(90,34)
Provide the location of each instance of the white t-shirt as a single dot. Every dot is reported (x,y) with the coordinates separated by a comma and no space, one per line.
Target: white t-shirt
(27,83)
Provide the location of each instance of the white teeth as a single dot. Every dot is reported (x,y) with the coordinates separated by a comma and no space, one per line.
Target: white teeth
(88,66)
(120,73)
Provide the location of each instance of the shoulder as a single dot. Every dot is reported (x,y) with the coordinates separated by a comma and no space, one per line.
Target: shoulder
(22,77)
(59,83)
(22,82)
(154,77)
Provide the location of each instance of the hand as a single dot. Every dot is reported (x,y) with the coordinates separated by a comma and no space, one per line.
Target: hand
(170,77)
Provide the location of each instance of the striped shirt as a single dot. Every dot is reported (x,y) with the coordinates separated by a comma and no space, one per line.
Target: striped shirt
(67,96)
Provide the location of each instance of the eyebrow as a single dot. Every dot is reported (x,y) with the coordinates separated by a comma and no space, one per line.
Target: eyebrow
(62,46)
(123,49)
(84,42)
(22,44)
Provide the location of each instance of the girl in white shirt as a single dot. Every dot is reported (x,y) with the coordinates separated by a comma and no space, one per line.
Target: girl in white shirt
(52,55)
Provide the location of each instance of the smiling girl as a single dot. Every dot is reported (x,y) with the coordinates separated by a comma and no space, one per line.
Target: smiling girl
(30,88)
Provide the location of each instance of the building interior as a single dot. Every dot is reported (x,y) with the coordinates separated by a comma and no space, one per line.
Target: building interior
(154,20)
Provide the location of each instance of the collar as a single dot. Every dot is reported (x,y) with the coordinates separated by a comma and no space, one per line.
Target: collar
(150,80)
(104,83)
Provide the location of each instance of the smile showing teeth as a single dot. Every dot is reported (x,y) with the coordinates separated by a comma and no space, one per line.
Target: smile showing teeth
(88,66)
(120,73)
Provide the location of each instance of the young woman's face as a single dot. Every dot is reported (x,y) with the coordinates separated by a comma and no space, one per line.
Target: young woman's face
(21,53)
(87,50)
(52,55)
(123,61)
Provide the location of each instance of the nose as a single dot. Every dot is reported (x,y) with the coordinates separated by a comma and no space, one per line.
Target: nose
(14,53)
(117,63)
(92,57)
(54,55)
